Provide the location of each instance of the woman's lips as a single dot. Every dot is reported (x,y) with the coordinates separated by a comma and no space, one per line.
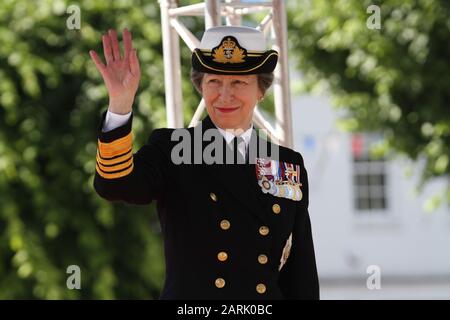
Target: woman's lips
(227,110)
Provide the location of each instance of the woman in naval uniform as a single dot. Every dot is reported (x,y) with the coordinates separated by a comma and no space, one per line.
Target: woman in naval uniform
(235,229)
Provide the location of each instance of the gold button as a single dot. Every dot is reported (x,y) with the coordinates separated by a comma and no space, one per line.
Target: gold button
(220,283)
(213,196)
(262,258)
(276,208)
(222,256)
(264,231)
(261,288)
(225,224)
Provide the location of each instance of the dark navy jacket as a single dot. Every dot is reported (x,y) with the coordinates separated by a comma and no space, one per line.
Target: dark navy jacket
(223,237)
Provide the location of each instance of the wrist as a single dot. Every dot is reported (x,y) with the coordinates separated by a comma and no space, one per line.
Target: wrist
(120,107)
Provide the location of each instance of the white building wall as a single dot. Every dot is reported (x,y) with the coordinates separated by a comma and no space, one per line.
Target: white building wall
(408,243)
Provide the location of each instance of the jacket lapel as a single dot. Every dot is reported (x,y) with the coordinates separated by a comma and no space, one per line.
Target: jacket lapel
(239,179)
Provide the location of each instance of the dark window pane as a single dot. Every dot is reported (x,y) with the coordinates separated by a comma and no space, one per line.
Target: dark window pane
(376,179)
(363,204)
(377,204)
(361,180)
(369,179)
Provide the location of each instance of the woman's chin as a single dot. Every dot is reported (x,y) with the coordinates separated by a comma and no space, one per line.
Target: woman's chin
(227,124)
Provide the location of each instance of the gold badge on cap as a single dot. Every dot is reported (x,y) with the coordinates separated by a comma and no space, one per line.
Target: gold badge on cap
(229,51)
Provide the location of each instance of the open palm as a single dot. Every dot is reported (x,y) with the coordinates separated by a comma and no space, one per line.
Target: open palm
(120,74)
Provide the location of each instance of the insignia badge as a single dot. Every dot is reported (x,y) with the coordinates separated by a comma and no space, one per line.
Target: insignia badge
(286,252)
(229,51)
(266,185)
(280,179)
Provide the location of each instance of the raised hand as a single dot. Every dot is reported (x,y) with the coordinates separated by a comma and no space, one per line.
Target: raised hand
(121,74)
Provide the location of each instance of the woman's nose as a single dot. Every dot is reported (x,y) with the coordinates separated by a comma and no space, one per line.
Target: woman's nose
(226,93)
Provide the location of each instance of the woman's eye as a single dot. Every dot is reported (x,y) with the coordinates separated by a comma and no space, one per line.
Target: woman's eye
(213,81)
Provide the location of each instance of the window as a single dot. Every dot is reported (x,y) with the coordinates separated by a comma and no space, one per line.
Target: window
(369,176)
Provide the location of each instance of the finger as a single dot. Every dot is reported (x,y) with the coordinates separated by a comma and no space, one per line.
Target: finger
(107,49)
(134,64)
(98,63)
(127,43)
(115,44)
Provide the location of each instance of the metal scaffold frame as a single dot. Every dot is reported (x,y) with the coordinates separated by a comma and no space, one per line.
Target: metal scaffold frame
(273,25)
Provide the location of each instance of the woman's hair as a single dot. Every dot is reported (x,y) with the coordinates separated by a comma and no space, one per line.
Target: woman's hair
(264,80)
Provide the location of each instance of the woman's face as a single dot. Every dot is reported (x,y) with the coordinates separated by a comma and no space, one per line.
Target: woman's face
(230,99)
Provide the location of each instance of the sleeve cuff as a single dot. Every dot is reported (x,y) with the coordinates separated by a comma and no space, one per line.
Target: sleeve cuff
(114,120)
(116,133)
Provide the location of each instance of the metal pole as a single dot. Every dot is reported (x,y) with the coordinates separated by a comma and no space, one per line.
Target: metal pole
(212,14)
(185,34)
(266,24)
(198,113)
(260,121)
(172,67)
(281,87)
(190,10)
(232,18)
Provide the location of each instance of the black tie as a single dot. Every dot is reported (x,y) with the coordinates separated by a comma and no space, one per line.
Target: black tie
(237,155)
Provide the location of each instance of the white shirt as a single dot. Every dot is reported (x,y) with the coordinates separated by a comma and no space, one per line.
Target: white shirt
(242,146)
(114,120)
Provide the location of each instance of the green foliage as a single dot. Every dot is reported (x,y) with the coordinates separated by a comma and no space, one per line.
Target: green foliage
(51,98)
(395,80)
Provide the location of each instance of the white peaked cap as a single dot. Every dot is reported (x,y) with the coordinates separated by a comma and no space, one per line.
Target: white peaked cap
(233,50)
(248,38)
